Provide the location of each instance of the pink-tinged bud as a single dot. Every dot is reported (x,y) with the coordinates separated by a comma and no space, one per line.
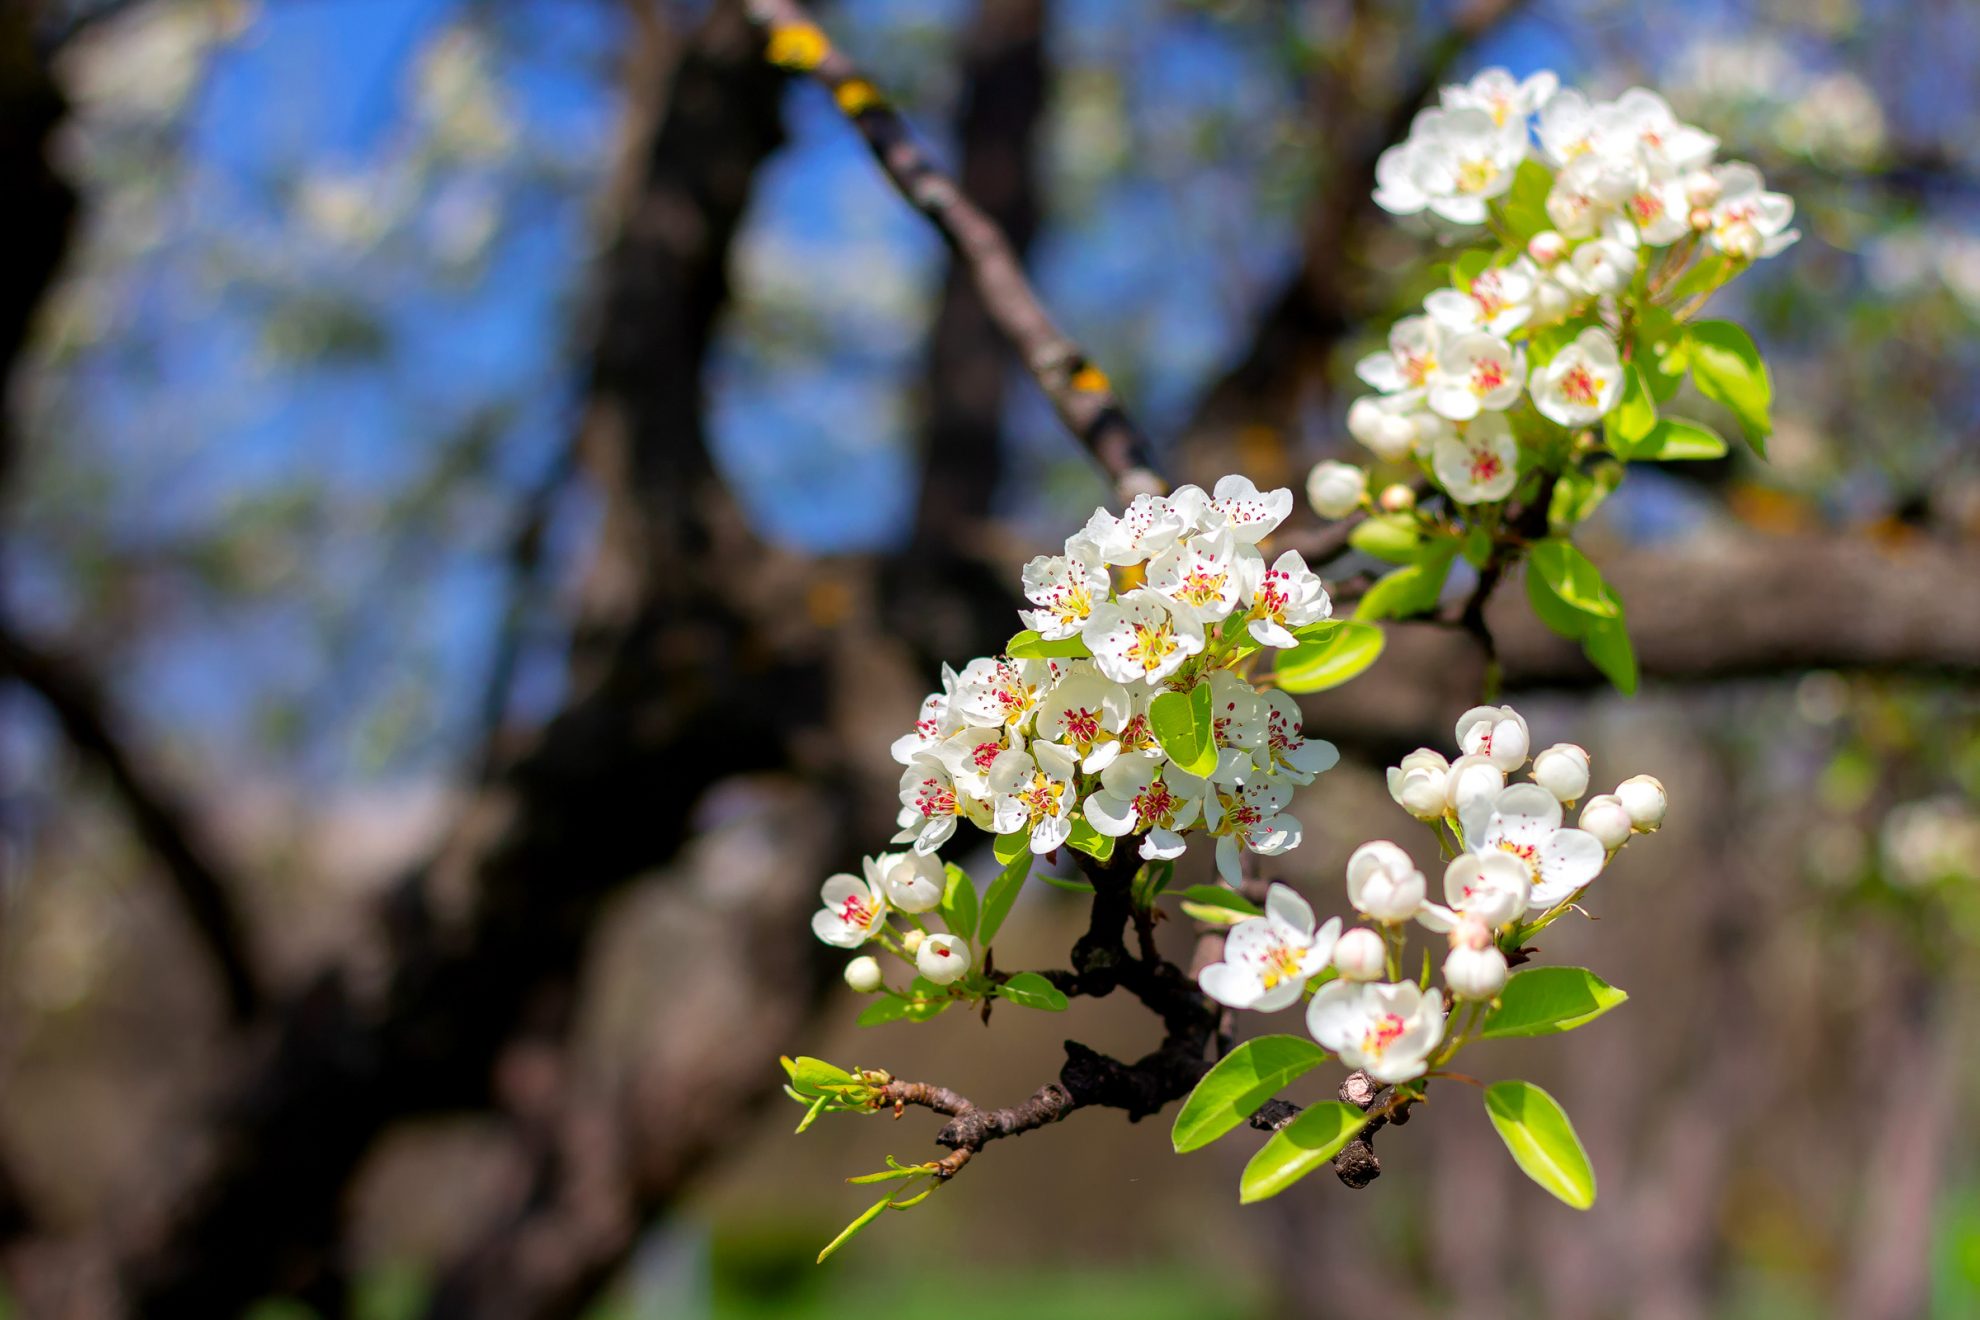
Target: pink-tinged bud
(1701,219)
(1360,955)
(942,958)
(1604,817)
(1474,972)
(1642,796)
(1547,247)
(863,975)
(1563,771)
(1398,498)
(1701,188)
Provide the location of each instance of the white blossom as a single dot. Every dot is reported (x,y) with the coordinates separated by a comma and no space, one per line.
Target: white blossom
(1642,796)
(1034,792)
(995,691)
(1452,164)
(1336,489)
(932,724)
(1285,749)
(1747,221)
(1147,528)
(1138,794)
(1415,347)
(1268,960)
(1361,954)
(853,910)
(1249,513)
(1524,821)
(1386,1030)
(1085,712)
(1065,589)
(1388,424)
(1383,883)
(1507,99)
(1249,815)
(1478,372)
(1491,887)
(1199,577)
(1237,714)
(1139,639)
(1471,777)
(1480,464)
(1563,771)
(1583,381)
(1286,596)
(929,805)
(1498,302)
(942,958)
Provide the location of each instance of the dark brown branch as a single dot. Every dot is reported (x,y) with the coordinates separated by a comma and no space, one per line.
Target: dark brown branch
(162,821)
(1079,392)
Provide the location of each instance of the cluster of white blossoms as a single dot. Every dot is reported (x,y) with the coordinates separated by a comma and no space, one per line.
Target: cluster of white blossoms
(1512,866)
(1057,741)
(1625,180)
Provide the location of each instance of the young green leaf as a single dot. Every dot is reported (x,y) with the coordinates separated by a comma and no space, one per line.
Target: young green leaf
(811,1075)
(1242,1080)
(866,1217)
(1327,661)
(1033,991)
(1217,896)
(1577,494)
(1028,645)
(1298,1148)
(1607,645)
(1084,838)
(1550,609)
(1394,537)
(1545,1001)
(1009,847)
(1633,416)
(1542,1141)
(1729,370)
(1674,440)
(1526,201)
(1002,893)
(959,902)
(1410,590)
(1573,578)
(1181,723)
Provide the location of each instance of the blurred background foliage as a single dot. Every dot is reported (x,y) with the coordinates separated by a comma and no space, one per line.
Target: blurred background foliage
(315,358)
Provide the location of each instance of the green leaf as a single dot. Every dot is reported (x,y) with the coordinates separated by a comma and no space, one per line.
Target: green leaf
(1673,440)
(1545,1001)
(1476,546)
(1657,334)
(1009,847)
(1028,645)
(1071,886)
(1222,899)
(1297,1149)
(959,902)
(1033,991)
(1242,1080)
(1526,201)
(1329,660)
(1084,838)
(1577,494)
(1542,1141)
(1181,722)
(1607,645)
(1410,590)
(1633,416)
(812,1076)
(1395,537)
(924,1000)
(866,1217)
(1570,575)
(1728,369)
(1551,610)
(1002,893)
(1468,265)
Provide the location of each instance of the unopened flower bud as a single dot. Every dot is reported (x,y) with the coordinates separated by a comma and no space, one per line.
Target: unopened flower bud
(915,883)
(1383,882)
(1547,247)
(1498,732)
(1642,796)
(1336,489)
(1475,968)
(1741,242)
(863,975)
(1701,188)
(1418,784)
(942,958)
(1398,498)
(1604,817)
(1471,778)
(1387,434)
(1360,955)
(1701,219)
(1563,771)
(911,941)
